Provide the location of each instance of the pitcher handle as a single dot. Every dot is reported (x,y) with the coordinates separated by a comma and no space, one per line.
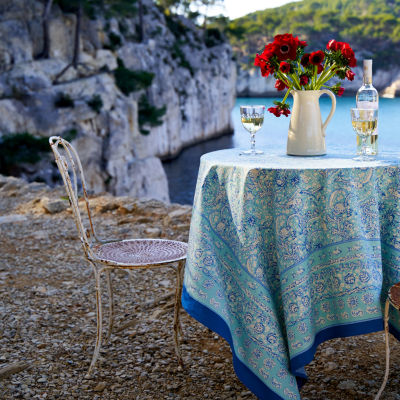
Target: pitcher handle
(333,98)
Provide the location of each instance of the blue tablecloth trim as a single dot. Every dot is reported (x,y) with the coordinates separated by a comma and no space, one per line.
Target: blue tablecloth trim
(333,332)
(214,322)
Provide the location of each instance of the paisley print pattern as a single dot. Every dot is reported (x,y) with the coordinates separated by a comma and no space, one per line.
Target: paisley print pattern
(284,248)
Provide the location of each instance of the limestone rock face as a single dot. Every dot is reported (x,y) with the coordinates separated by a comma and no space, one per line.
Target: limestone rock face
(197,106)
(193,79)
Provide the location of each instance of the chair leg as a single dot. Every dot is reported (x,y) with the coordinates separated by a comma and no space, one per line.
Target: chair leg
(177,323)
(111,305)
(180,295)
(99,324)
(386,320)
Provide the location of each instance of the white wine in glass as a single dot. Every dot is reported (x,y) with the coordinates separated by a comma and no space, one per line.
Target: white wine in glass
(364,122)
(252,118)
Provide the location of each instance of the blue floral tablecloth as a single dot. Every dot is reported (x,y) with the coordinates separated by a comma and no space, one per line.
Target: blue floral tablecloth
(287,252)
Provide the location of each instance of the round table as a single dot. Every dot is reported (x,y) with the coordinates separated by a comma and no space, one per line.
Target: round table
(287,252)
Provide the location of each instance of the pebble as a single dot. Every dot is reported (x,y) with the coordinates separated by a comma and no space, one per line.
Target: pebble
(328,351)
(100,387)
(54,206)
(330,366)
(346,385)
(10,219)
(180,212)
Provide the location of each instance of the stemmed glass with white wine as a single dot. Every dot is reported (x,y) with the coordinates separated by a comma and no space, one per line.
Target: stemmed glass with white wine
(252,119)
(364,122)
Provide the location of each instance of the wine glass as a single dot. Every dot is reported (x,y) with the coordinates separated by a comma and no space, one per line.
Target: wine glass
(364,122)
(252,118)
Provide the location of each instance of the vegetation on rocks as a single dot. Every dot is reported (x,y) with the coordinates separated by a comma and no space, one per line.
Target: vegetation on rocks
(371,26)
(129,81)
(93,8)
(20,148)
(149,115)
(63,100)
(96,103)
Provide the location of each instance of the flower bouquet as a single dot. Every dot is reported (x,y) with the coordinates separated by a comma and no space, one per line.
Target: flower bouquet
(294,69)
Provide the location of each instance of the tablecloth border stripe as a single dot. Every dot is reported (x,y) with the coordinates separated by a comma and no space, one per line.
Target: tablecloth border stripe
(334,332)
(214,322)
(339,331)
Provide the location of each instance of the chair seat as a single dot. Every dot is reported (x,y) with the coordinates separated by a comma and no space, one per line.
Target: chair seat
(394,295)
(140,252)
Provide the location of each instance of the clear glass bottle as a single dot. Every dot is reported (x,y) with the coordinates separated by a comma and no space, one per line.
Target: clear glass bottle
(367,97)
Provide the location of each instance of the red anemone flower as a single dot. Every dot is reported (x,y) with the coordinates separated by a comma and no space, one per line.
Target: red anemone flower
(317,57)
(286,46)
(280,85)
(284,67)
(305,60)
(350,75)
(303,80)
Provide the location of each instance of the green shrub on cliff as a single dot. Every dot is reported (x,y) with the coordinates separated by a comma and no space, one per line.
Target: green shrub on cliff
(114,41)
(213,37)
(95,103)
(20,148)
(129,81)
(178,54)
(92,8)
(149,115)
(63,100)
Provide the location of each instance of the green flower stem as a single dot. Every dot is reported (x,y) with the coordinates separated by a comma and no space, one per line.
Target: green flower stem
(320,83)
(326,75)
(296,81)
(283,78)
(324,70)
(326,78)
(315,77)
(286,95)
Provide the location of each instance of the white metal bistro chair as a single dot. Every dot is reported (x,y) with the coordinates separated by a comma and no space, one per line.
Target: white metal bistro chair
(393,300)
(104,256)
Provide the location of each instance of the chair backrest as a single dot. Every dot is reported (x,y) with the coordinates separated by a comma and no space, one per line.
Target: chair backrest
(70,166)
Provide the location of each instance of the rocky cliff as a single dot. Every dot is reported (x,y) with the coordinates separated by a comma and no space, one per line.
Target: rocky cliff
(193,81)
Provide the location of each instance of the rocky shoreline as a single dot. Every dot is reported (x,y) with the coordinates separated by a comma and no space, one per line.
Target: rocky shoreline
(136,95)
(47,312)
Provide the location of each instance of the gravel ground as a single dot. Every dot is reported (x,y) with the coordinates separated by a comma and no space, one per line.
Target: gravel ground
(47,313)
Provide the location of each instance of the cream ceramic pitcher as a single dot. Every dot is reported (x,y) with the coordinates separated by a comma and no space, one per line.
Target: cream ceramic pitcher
(306,135)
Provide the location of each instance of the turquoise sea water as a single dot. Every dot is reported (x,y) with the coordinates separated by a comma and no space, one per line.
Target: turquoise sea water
(339,134)
(182,172)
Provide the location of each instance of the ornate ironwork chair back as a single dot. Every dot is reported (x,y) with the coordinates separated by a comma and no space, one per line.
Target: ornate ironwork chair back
(168,252)
(70,167)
